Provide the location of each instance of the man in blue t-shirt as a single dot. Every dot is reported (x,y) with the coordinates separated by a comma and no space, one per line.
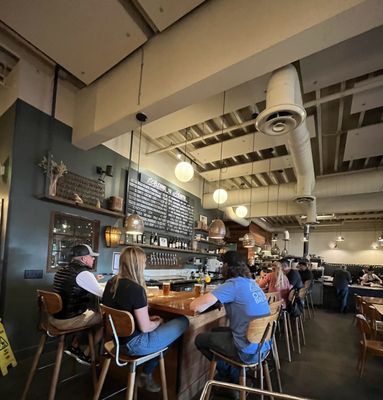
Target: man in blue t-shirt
(243,300)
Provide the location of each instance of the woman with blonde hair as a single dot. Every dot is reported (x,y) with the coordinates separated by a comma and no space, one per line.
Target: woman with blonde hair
(277,281)
(126,291)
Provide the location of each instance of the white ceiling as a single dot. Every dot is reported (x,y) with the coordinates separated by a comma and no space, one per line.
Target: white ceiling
(342,89)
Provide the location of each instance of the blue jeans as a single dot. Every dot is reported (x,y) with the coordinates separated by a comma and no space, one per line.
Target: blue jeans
(342,294)
(150,342)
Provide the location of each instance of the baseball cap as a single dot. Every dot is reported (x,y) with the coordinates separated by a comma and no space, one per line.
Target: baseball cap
(82,250)
(232,258)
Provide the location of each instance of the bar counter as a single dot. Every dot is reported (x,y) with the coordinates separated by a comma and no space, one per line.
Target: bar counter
(186,368)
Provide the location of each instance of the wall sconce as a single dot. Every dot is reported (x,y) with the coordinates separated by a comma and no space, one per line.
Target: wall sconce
(112,236)
(108,172)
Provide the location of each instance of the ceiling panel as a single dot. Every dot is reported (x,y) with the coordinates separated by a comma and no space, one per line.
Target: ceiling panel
(86,37)
(368,100)
(257,167)
(364,142)
(346,60)
(164,13)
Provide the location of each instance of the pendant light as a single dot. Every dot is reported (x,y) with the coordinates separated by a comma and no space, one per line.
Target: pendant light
(217,229)
(241,211)
(184,171)
(134,224)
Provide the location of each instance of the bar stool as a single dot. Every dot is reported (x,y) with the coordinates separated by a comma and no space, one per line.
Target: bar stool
(49,304)
(260,330)
(308,299)
(118,323)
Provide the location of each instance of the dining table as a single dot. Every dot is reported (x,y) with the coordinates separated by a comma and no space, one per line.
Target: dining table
(379,307)
(372,300)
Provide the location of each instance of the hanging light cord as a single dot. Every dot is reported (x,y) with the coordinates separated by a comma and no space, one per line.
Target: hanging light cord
(268,189)
(252,173)
(220,165)
(139,150)
(141,74)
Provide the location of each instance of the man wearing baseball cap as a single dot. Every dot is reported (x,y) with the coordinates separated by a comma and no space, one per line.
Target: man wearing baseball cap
(73,283)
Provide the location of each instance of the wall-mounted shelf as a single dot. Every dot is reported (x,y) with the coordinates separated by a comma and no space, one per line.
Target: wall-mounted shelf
(210,242)
(86,207)
(159,248)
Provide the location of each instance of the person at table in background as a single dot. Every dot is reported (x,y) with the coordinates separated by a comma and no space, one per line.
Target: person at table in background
(76,285)
(342,278)
(370,277)
(126,291)
(243,300)
(292,274)
(276,281)
(305,273)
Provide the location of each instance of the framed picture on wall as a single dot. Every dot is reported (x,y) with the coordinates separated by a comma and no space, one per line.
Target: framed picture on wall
(163,241)
(115,262)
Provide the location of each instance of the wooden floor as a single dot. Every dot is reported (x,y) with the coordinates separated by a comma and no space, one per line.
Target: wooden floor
(326,369)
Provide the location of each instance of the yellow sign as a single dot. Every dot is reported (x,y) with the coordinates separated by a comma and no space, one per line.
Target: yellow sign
(6,354)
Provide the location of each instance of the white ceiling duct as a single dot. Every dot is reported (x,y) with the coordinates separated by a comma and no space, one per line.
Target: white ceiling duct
(284,110)
(360,182)
(230,214)
(285,114)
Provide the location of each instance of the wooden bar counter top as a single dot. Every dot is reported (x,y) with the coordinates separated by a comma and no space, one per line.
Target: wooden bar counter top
(186,368)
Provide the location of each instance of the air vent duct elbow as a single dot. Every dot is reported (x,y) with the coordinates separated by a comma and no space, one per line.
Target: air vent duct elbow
(284,110)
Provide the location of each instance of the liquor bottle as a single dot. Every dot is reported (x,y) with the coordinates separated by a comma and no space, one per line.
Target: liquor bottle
(151,240)
(143,238)
(155,240)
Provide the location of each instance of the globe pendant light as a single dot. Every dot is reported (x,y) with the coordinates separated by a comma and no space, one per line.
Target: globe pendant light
(241,211)
(134,224)
(184,171)
(217,229)
(248,240)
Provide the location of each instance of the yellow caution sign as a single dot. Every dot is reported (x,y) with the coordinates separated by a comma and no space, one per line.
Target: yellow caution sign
(6,354)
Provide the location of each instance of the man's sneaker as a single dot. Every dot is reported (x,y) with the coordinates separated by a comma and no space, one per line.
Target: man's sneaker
(83,359)
(72,351)
(147,382)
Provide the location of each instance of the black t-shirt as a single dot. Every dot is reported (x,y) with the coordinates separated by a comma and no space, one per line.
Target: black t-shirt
(129,296)
(306,275)
(295,279)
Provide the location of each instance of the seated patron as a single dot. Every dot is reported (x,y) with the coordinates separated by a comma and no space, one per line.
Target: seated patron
(370,277)
(305,273)
(75,283)
(243,300)
(292,274)
(276,281)
(126,291)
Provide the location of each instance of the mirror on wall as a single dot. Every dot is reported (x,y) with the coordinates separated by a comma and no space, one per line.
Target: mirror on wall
(66,231)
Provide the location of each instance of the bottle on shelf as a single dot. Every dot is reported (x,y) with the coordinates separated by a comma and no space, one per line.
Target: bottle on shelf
(151,240)
(143,238)
(155,240)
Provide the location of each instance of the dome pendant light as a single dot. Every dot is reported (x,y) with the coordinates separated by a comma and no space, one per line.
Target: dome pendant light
(184,171)
(134,224)
(217,229)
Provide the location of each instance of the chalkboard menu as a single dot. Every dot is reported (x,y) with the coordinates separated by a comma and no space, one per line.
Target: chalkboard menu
(161,207)
(89,190)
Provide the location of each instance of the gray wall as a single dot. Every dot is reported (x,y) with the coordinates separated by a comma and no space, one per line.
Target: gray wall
(29,217)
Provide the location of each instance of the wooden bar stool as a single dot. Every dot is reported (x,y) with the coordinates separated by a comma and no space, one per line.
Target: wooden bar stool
(260,330)
(118,323)
(308,299)
(50,303)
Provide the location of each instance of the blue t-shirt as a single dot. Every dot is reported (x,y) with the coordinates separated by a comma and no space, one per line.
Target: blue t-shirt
(244,300)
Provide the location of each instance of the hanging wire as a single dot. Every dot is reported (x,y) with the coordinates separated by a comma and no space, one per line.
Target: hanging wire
(139,150)
(141,75)
(268,189)
(252,173)
(220,164)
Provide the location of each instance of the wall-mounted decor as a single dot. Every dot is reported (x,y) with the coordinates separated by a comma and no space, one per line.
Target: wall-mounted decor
(54,172)
(66,231)
(163,241)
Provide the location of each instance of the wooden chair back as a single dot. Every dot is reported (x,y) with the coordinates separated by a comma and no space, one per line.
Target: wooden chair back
(273,297)
(122,321)
(49,302)
(308,284)
(259,330)
(364,327)
(303,292)
(358,303)
(275,308)
(365,308)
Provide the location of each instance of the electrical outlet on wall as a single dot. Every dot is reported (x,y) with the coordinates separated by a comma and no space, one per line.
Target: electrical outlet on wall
(33,274)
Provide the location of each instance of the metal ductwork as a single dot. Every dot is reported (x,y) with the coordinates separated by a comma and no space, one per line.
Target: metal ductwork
(285,114)
(348,184)
(284,110)
(230,214)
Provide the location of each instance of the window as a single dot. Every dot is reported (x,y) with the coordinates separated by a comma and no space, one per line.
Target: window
(66,231)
